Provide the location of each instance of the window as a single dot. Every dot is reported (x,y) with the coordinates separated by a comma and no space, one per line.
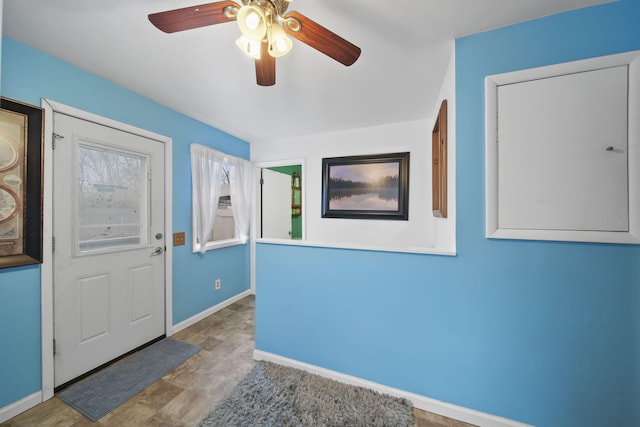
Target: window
(224,225)
(112,199)
(221,189)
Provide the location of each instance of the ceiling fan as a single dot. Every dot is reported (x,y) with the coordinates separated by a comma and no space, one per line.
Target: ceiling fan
(264,25)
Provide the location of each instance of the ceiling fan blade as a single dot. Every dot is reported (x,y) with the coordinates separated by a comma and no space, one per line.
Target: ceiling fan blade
(265,67)
(187,18)
(321,39)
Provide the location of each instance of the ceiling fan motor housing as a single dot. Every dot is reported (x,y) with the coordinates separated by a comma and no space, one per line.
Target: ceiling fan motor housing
(278,7)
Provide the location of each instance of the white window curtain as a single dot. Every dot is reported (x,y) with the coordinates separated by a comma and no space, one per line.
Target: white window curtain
(240,190)
(206,166)
(206,183)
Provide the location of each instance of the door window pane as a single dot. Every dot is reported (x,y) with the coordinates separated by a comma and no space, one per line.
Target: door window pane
(112,199)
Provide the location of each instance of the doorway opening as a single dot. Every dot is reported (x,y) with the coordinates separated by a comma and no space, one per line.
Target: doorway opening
(288,201)
(279,204)
(153,238)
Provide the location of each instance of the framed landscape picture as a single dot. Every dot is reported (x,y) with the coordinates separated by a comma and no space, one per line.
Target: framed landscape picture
(366,187)
(20,183)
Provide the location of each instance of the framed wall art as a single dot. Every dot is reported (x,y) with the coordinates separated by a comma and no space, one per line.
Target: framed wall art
(20,183)
(366,187)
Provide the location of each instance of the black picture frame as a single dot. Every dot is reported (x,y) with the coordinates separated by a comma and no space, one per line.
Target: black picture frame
(26,187)
(366,187)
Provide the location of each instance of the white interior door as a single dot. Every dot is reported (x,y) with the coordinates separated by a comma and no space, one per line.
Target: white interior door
(108,220)
(276,205)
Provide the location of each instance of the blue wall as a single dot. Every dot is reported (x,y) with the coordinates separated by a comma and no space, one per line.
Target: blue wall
(20,340)
(545,333)
(29,75)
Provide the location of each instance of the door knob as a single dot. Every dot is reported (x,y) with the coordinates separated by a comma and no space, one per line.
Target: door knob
(157,251)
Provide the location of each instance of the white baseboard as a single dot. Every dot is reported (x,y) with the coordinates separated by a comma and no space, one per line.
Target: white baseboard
(20,406)
(421,402)
(208,312)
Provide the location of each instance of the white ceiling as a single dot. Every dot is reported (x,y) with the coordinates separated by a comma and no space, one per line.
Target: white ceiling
(406,46)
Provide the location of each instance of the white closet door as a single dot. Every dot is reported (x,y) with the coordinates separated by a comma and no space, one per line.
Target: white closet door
(562,152)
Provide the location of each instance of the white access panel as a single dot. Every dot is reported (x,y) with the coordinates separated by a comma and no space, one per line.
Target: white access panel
(563,152)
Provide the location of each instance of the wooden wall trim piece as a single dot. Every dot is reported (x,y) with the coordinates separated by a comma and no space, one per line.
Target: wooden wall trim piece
(439,163)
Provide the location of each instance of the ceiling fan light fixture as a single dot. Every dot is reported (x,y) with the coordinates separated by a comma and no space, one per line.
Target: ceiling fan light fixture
(267,31)
(249,46)
(279,43)
(252,22)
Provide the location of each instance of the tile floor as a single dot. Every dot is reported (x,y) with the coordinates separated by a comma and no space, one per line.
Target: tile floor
(185,395)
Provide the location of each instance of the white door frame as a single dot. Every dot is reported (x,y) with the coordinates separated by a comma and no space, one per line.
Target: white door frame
(46,277)
(254,214)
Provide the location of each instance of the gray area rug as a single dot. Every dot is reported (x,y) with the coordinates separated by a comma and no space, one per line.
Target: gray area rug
(103,392)
(274,395)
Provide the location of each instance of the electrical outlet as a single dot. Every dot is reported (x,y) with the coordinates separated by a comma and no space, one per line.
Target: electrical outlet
(218,284)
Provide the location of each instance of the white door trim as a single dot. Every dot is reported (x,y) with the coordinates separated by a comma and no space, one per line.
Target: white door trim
(46,277)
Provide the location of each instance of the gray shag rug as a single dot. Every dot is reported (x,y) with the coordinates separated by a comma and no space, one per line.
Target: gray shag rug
(274,395)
